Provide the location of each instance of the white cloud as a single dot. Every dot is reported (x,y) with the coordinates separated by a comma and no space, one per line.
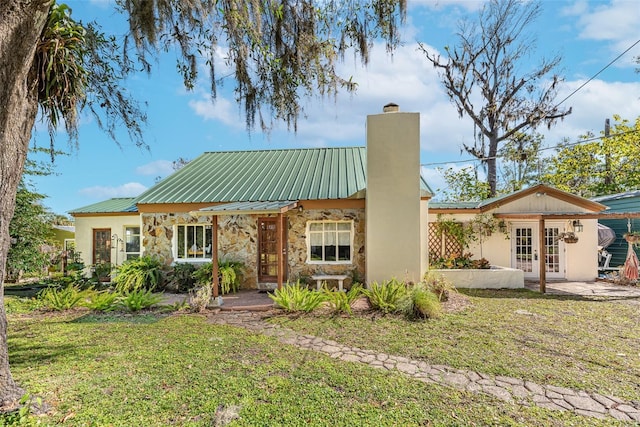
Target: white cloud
(221,110)
(130,189)
(157,168)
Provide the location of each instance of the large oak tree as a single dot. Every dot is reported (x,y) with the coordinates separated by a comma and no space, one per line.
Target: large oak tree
(279,51)
(486,77)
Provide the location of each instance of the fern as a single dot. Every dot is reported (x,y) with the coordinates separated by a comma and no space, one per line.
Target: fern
(384,297)
(139,299)
(136,274)
(297,298)
(341,302)
(62,299)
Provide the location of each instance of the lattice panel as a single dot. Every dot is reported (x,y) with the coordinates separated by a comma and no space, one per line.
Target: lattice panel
(441,245)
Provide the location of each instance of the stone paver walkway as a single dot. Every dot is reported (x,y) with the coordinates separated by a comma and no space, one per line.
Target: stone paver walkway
(505,388)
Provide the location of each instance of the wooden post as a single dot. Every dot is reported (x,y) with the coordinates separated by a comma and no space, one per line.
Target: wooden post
(280,245)
(214,255)
(543,256)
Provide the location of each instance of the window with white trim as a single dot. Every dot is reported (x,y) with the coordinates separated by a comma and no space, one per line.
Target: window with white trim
(330,242)
(193,242)
(132,242)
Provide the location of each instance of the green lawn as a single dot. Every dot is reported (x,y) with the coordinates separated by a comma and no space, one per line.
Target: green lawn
(584,344)
(159,369)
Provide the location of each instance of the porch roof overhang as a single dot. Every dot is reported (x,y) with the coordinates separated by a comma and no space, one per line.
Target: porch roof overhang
(248,208)
(567,215)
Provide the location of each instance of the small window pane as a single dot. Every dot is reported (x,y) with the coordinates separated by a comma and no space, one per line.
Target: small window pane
(344,226)
(344,253)
(329,226)
(344,238)
(315,226)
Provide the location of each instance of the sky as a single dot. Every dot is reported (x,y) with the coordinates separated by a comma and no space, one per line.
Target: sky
(589,35)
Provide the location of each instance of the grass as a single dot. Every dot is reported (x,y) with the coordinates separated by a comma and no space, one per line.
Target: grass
(158,369)
(578,343)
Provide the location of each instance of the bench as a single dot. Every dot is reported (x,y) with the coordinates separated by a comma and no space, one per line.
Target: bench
(324,277)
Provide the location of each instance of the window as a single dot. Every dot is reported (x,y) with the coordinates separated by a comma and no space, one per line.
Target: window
(132,242)
(330,242)
(193,242)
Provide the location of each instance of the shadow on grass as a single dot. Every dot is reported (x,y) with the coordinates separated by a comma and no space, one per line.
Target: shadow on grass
(142,317)
(25,351)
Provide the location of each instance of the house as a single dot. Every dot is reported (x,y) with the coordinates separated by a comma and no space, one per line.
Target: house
(285,214)
(545,232)
(623,203)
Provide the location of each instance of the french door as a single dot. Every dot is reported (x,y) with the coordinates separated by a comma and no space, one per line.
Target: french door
(525,251)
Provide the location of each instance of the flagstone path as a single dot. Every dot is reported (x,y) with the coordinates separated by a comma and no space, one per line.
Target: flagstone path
(509,389)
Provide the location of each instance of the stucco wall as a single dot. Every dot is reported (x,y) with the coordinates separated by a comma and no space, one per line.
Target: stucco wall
(238,240)
(84,233)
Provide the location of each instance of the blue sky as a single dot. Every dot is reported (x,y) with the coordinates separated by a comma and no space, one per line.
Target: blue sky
(588,34)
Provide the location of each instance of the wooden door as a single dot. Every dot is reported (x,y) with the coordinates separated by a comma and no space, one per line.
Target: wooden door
(268,233)
(101,245)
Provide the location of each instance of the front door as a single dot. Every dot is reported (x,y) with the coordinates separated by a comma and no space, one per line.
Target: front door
(101,245)
(268,250)
(525,252)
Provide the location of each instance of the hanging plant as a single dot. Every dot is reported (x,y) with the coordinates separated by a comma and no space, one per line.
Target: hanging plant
(632,237)
(568,237)
(462,233)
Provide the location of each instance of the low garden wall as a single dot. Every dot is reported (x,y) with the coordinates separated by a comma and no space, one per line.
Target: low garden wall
(490,278)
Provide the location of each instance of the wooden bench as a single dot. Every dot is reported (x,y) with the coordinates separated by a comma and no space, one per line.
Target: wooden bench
(324,277)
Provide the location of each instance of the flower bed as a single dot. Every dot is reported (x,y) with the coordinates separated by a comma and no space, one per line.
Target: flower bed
(495,277)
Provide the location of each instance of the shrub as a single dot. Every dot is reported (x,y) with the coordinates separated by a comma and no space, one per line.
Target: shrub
(229,275)
(139,299)
(341,302)
(384,297)
(62,298)
(144,273)
(297,298)
(457,261)
(419,303)
(181,277)
(439,285)
(102,301)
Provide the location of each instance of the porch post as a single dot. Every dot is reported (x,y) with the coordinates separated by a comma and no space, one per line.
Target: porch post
(280,245)
(543,256)
(214,255)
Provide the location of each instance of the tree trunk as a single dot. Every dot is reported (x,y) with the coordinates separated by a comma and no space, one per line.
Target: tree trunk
(21,23)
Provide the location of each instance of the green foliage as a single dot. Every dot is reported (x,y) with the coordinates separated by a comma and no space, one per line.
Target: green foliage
(102,271)
(102,300)
(62,298)
(385,296)
(31,234)
(463,185)
(439,285)
(457,261)
(340,302)
(59,64)
(139,299)
(22,415)
(419,303)
(297,298)
(229,275)
(520,159)
(462,233)
(607,165)
(181,277)
(139,273)
(15,305)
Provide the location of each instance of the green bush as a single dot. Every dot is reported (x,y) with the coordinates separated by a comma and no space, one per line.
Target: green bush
(384,297)
(439,285)
(102,301)
(144,273)
(340,302)
(297,298)
(62,298)
(139,299)
(419,303)
(229,275)
(181,277)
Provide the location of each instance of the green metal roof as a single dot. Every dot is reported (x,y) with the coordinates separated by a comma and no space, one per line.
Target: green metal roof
(249,207)
(265,175)
(115,205)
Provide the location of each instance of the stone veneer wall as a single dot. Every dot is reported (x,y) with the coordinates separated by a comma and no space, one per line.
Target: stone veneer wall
(238,240)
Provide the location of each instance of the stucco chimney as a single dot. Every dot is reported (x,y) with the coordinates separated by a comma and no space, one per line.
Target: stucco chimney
(391,108)
(393,220)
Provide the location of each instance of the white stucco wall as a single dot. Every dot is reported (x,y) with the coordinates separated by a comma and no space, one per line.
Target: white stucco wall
(84,234)
(580,259)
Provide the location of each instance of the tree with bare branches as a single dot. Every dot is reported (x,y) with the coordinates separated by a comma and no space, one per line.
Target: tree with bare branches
(489,65)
